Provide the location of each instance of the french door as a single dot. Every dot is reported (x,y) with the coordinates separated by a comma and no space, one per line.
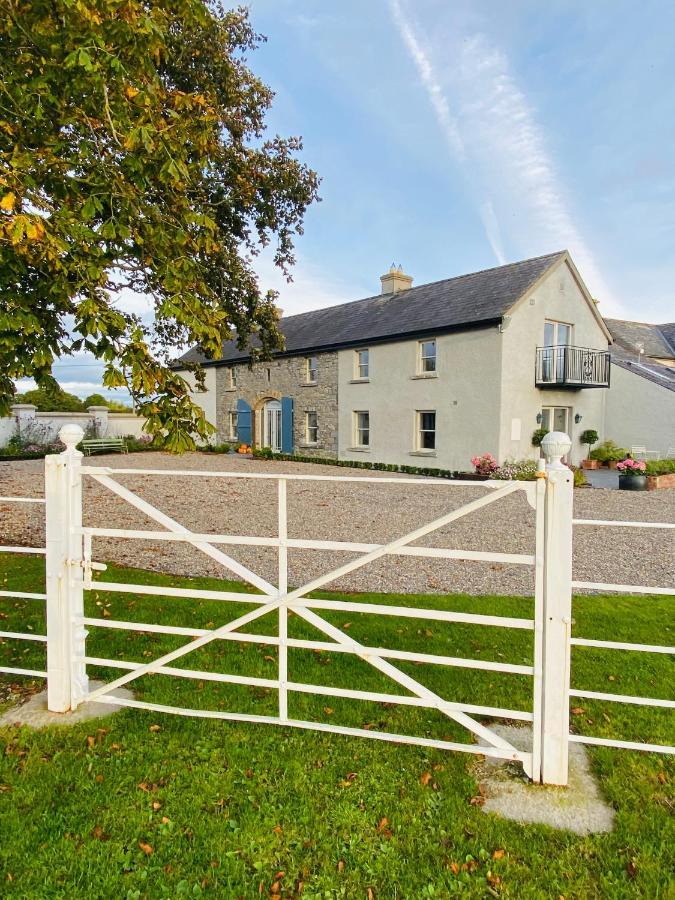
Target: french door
(272,425)
(557,338)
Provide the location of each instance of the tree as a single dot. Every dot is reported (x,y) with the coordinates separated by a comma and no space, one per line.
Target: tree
(589,437)
(100,400)
(50,399)
(133,155)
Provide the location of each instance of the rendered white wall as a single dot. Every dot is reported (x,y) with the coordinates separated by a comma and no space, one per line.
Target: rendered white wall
(208,399)
(558,297)
(465,396)
(639,412)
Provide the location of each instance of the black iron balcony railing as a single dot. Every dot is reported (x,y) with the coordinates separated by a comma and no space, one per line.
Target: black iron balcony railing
(571,367)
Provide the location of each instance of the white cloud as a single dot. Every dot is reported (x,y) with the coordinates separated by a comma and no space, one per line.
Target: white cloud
(493,231)
(429,79)
(502,148)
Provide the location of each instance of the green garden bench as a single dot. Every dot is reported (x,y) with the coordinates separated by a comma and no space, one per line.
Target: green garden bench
(104,445)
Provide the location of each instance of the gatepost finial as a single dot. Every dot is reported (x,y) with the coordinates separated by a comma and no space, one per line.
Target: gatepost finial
(555,445)
(71,435)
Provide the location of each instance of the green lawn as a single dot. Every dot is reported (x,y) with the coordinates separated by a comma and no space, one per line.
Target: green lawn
(123,808)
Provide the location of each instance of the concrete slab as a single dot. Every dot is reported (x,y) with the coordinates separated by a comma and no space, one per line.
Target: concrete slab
(35,714)
(508,793)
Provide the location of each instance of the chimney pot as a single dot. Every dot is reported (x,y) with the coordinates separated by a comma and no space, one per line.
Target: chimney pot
(395,280)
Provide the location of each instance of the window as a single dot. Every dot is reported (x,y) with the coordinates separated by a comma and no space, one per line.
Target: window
(311,427)
(427,357)
(426,429)
(232,424)
(361,429)
(311,369)
(231,378)
(362,364)
(269,376)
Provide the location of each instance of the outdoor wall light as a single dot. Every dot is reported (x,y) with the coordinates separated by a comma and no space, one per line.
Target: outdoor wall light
(578,418)
(540,418)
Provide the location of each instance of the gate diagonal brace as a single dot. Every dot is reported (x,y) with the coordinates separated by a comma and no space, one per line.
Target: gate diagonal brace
(174,526)
(382,665)
(184,650)
(286,600)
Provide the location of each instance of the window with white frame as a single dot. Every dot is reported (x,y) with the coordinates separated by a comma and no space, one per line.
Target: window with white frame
(311,426)
(311,369)
(361,428)
(232,424)
(426,429)
(362,364)
(231,378)
(426,357)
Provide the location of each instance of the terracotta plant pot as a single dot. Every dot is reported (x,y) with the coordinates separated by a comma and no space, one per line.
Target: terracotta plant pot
(611,464)
(590,463)
(632,482)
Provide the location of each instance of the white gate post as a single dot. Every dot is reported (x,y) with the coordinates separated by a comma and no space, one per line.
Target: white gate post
(67,681)
(557,610)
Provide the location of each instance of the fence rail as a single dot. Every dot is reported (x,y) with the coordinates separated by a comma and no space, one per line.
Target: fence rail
(70,571)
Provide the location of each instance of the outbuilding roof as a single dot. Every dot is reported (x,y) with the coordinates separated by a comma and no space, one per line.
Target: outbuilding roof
(656,340)
(466,301)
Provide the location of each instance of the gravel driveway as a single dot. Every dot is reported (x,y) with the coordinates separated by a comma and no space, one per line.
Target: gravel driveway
(351,512)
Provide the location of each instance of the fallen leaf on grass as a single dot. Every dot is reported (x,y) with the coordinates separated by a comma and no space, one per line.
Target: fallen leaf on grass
(277,829)
(498,854)
(662,777)
(99,779)
(425,778)
(328,710)
(578,710)
(146,848)
(631,867)
(341,865)
(155,728)
(156,805)
(383,828)
(99,834)
(91,741)
(369,894)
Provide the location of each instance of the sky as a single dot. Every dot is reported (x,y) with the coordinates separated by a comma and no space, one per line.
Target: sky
(456,136)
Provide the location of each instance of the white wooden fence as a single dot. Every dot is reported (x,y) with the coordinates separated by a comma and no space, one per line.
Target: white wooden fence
(70,571)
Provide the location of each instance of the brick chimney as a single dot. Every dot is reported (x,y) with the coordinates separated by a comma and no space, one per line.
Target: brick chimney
(395,280)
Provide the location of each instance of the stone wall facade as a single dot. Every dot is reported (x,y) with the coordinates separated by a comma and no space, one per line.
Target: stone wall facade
(277,378)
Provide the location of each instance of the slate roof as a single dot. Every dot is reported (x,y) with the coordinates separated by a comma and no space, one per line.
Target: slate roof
(657,374)
(657,340)
(480,298)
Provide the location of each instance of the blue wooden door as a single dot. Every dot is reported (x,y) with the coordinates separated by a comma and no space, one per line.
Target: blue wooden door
(286,424)
(244,422)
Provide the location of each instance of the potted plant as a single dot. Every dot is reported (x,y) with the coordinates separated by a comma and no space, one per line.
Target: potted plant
(484,466)
(632,475)
(538,436)
(589,437)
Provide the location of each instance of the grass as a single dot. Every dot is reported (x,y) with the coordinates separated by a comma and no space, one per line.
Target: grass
(122,808)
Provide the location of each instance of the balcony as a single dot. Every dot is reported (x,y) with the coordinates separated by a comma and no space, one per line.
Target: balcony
(571,368)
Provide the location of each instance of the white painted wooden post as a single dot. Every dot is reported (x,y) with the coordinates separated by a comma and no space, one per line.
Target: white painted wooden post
(557,610)
(67,682)
(283,608)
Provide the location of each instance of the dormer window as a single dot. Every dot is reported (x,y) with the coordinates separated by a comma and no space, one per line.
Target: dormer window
(231,378)
(362,364)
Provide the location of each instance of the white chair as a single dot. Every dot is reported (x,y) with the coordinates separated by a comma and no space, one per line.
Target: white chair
(638,452)
(671,453)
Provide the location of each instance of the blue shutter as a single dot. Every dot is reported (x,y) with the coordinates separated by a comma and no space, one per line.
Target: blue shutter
(286,424)
(244,430)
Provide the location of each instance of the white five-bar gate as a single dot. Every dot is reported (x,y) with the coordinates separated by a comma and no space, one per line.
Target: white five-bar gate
(69,571)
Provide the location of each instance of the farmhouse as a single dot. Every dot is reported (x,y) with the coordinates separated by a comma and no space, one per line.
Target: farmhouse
(436,372)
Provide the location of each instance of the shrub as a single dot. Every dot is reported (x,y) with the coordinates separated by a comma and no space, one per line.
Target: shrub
(224,447)
(660,467)
(517,470)
(538,436)
(608,451)
(589,437)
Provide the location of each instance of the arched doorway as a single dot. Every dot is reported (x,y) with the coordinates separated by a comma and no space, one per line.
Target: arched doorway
(272,425)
